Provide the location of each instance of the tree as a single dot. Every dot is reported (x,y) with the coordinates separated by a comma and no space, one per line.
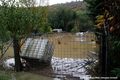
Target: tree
(95,8)
(107,22)
(44,25)
(62,18)
(84,21)
(113,19)
(17,21)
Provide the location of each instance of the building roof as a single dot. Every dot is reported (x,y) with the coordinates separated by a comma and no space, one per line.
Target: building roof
(37,48)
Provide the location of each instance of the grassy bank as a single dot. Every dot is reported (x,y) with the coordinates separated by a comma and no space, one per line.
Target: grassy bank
(22,76)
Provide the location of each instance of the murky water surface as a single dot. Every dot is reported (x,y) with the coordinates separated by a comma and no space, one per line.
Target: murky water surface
(68,67)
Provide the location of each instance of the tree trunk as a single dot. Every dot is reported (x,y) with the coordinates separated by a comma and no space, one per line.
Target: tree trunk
(16,47)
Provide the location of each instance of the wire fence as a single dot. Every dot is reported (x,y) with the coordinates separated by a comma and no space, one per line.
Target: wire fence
(73,54)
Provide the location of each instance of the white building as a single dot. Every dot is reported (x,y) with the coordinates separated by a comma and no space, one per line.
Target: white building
(57,30)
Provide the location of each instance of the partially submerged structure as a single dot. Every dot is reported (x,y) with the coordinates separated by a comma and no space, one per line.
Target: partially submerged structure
(36,51)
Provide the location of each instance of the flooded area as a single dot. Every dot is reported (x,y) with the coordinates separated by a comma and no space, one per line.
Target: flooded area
(68,61)
(70,54)
(60,69)
(74,68)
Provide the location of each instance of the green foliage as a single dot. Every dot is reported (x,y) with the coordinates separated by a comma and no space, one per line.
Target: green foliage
(4,77)
(84,21)
(62,18)
(113,9)
(45,29)
(69,20)
(114,53)
(116,72)
(42,20)
(95,7)
(17,21)
(75,29)
(20,21)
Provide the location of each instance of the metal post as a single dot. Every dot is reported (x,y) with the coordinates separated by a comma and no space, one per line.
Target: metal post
(104,52)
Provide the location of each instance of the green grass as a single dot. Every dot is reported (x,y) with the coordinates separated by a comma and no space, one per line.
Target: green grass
(31,76)
(22,76)
(4,76)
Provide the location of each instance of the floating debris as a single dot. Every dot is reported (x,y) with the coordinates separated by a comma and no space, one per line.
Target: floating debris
(69,66)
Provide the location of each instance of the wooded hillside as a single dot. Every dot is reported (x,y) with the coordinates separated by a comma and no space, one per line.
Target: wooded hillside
(72,5)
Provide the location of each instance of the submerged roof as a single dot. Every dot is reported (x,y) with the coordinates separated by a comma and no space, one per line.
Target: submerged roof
(36,48)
